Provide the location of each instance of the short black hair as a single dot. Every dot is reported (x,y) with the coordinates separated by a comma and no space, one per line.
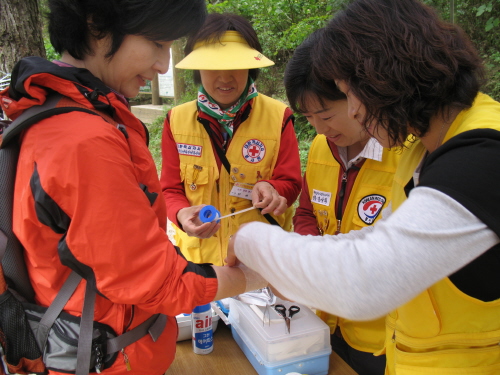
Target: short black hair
(73,22)
(214,28)
(300,82)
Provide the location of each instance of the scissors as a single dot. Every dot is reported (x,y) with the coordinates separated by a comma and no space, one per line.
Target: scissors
(292,310)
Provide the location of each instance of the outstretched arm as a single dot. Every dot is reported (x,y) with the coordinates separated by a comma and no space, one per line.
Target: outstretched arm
(365,274)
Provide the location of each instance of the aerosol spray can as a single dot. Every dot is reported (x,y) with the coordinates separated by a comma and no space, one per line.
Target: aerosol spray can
(201,323)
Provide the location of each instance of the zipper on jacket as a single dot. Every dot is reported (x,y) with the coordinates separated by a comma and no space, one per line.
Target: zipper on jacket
(132,313)
(340,202)
(125,356)
(125,359)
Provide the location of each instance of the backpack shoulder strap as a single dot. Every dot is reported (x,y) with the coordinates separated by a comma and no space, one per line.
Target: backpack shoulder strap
(11,253)
(40,112)
(58,104)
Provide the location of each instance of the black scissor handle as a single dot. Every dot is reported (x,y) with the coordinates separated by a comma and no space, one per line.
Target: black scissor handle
(293,310)
(280,309)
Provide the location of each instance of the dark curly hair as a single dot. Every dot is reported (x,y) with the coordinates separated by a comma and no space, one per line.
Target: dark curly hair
(299,79)
(212,30)
(401,61)
(72,23)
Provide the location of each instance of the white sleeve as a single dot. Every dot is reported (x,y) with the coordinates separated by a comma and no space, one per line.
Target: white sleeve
(365,274)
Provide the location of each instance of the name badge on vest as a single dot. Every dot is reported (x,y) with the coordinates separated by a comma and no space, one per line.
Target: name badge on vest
(241,190)
(370,207)
(189,150)
(321,197)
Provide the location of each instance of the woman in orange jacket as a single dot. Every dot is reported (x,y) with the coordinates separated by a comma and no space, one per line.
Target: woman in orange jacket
(87,194)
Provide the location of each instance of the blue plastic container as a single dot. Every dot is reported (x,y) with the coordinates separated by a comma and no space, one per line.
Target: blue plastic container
(271,350)
(316,364)
(223,308)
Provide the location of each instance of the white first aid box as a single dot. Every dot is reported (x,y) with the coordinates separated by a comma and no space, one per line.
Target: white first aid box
(262,335)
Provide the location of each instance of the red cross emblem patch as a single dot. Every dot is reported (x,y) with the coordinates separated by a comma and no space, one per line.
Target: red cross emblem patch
(254,151)
(370,207)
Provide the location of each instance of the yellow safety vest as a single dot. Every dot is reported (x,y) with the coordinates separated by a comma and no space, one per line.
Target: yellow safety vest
(371,192)
(442,330)
(252,153)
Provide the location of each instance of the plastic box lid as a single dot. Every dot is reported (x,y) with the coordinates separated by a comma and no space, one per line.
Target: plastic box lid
(266,331)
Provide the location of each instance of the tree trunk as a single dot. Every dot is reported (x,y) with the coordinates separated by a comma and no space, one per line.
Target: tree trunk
(155,91)
(452,11)
(20,32)
(179,83)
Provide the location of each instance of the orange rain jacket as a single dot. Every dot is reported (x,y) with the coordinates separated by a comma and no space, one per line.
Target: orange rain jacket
(88,198)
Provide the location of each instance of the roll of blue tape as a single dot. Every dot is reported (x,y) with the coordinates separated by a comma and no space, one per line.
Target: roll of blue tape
(209,214)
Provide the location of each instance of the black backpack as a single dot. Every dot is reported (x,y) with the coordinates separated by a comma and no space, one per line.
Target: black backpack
(34,338)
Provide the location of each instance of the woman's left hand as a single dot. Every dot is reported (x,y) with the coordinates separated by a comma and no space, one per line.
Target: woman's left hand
(265,196)
(188,218)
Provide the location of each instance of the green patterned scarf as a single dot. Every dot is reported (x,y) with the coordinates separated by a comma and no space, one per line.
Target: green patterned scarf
(225,117)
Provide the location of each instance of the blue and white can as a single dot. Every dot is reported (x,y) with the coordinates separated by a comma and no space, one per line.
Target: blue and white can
(202,331)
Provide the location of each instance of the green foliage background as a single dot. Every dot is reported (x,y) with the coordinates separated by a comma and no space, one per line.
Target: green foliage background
(283,24)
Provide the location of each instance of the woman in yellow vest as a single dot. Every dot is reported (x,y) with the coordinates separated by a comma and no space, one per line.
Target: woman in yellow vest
(232,148)
(346,185)
(434,263)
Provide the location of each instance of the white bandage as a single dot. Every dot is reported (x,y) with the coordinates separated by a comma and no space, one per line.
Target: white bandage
(254,279)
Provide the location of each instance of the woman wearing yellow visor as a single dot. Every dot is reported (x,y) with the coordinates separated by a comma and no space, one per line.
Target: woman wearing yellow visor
(232,148)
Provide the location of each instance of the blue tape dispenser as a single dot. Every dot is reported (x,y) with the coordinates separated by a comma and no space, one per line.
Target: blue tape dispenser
(208,214)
